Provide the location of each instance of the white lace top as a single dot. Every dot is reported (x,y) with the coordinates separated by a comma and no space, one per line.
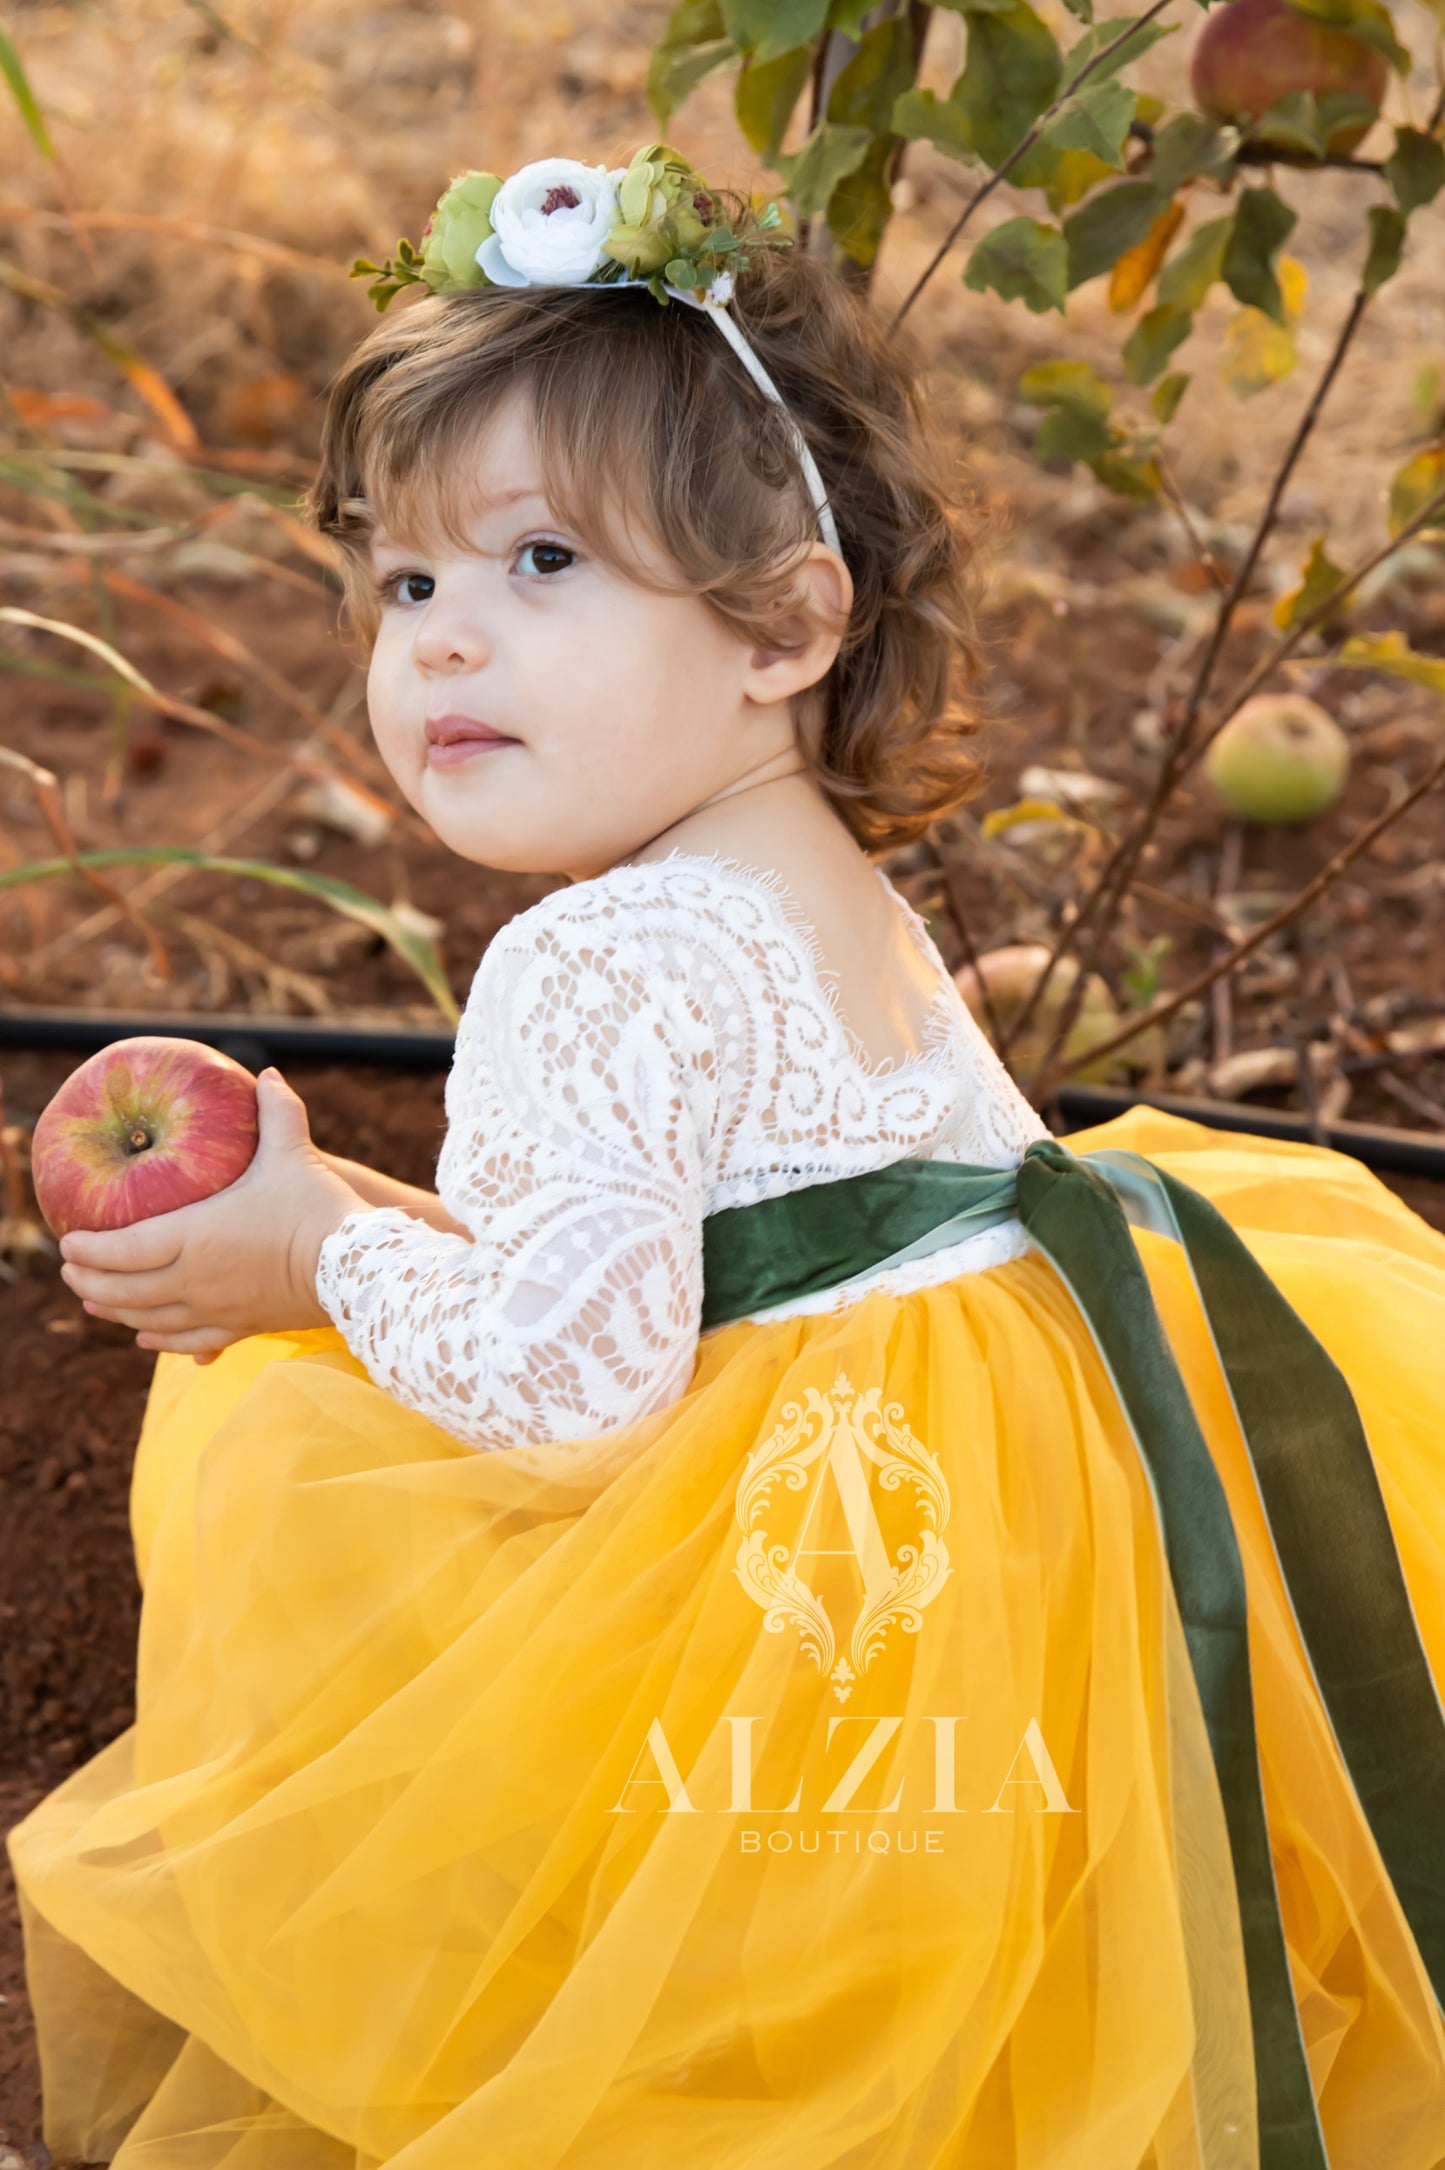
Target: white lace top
(637,1051)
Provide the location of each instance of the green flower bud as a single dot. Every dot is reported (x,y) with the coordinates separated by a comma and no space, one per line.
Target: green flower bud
(456,230)
(665,209)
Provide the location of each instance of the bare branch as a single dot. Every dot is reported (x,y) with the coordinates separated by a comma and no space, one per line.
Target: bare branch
(1104,900)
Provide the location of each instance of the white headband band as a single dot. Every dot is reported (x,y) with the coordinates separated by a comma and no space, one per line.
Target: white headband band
(716,308)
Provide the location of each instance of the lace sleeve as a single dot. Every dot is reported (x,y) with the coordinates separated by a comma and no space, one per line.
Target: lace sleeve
(579,1111)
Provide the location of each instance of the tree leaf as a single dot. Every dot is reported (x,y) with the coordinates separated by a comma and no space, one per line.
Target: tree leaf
(1261,223)
(1022,260)
(921,115)
(1168,392)
(1083,9)
(765,29)
(1102,35)
(1387,242)
(1421,478)
(1116,219)
(1075,385)
(1010,77)
(1415,168)
(862,204)
(766,94)
(1387,652)
(1258,352)
(1129,473)
(1097,119)
(848,16)
(1190,144)
(1187,277)
(813,171)
(1319,577)
(1366,20)
(1129,280)
(1065,434)
(672,76)
(867,86)
(1154,339)
(13,70)
(693,22)
(1073,175)
(1293,123)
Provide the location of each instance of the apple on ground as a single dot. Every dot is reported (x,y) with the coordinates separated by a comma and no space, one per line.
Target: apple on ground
(1010,974)
(1281,758)
(1251,53)
(145,1126)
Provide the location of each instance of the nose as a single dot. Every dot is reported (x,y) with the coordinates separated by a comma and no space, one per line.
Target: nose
(449,639)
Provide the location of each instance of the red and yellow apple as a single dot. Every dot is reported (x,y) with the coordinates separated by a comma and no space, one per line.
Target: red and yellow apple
(1251,53)
(145,1126)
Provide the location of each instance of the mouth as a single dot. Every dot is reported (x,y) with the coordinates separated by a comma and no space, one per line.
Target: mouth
(453,739)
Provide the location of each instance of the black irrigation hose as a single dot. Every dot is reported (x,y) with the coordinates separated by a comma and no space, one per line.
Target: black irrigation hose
(256,1041)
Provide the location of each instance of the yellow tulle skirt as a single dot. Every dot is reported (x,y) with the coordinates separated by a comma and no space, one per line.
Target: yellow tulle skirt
(595,1806)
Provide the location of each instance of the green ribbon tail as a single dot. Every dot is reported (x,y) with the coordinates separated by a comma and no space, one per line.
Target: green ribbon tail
(1071,1211)
(1331,1533)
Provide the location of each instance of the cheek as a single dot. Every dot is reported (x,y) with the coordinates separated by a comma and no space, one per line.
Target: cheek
(386,691)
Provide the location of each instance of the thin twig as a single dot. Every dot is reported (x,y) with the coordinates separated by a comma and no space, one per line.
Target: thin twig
(1103,901)
(1420,1103)
(1252,941)
(1180,505)
(948,870)
(1025,143)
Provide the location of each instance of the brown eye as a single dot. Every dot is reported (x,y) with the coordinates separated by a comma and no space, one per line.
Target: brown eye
(546,556)
(401,585)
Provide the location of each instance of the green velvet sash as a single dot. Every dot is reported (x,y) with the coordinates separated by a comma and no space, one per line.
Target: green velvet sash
(1316,1480)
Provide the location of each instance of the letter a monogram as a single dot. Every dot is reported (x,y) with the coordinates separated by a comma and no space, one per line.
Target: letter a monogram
(828,1434)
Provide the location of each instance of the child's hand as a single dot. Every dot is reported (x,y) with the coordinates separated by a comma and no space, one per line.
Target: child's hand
(242,1262)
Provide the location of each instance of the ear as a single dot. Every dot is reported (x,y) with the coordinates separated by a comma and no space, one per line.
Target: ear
(814,631)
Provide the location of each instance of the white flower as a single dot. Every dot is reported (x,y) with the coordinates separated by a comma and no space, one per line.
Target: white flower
(549,222)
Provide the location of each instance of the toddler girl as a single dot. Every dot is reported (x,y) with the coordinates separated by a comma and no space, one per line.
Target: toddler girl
(761,1626)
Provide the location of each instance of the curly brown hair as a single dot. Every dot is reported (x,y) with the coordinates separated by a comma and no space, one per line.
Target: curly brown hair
(643,414)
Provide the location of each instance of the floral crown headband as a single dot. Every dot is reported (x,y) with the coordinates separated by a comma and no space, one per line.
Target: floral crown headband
(653,223)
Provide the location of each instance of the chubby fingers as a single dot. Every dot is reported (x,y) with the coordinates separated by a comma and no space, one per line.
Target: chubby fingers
(144,1248)
(204,1343)
(97,1285)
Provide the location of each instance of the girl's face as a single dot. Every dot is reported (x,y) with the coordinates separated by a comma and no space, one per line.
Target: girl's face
(620,709)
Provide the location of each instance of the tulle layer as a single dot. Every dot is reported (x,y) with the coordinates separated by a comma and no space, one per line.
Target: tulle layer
(807,1777)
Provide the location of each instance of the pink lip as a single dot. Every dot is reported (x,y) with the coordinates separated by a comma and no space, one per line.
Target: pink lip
(452,739)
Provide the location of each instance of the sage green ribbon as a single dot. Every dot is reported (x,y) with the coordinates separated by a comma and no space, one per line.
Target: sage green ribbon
(1314,1472)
